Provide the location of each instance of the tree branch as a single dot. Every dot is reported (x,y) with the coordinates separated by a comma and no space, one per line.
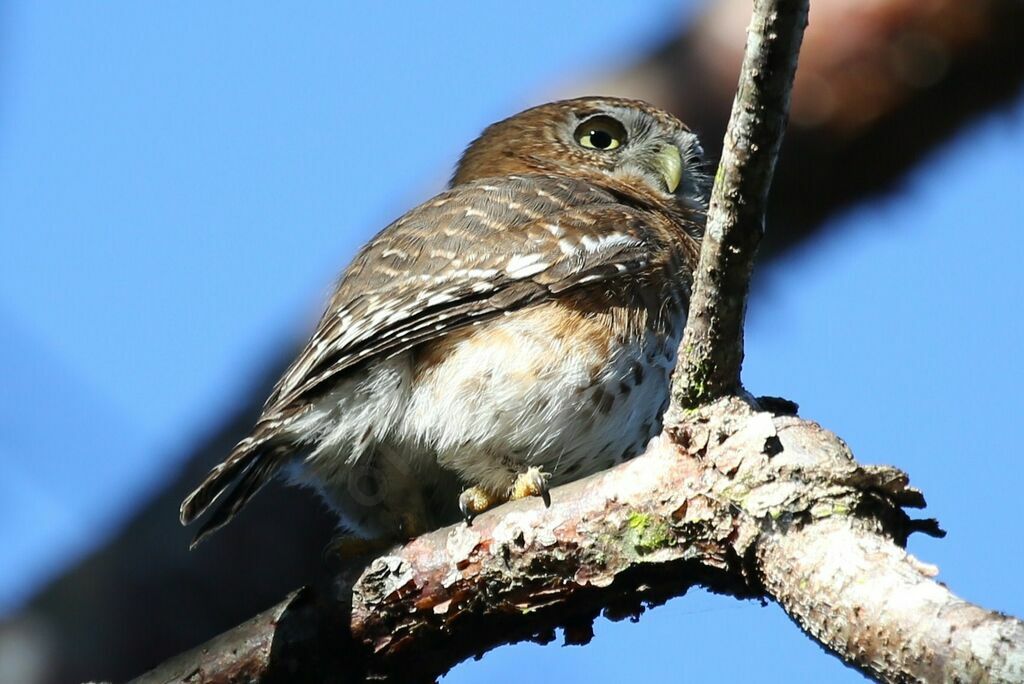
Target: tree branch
(731,497)
(880,608)
(712,349)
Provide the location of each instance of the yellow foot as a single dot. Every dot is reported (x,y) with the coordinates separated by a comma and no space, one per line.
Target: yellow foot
(476,500)
(534,482)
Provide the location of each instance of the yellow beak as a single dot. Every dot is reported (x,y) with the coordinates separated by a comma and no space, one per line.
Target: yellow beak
(669,164)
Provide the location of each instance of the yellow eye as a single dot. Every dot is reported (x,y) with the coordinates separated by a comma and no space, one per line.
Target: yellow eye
(600,133)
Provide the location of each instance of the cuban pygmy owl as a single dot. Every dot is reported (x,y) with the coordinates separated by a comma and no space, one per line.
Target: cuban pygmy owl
(516,331)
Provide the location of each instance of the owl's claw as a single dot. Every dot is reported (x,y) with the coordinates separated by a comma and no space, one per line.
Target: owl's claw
(474,501)
(534,482)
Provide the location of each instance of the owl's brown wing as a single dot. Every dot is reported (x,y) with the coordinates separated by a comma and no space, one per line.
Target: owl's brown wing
(471,253)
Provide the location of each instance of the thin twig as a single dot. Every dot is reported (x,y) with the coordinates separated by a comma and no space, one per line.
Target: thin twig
(712,350)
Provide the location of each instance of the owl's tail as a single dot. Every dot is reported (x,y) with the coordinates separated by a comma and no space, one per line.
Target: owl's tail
(252,463)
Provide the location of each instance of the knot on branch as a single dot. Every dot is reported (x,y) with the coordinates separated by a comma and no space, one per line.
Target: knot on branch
(782,470)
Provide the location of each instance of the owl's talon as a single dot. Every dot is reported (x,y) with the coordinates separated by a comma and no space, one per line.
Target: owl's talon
(474,501)
(467,512)
(534,482)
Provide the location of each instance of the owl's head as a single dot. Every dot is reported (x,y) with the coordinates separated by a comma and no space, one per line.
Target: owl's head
(628,146)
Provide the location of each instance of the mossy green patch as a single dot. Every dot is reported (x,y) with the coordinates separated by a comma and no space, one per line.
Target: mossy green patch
(637,520)
(648,533)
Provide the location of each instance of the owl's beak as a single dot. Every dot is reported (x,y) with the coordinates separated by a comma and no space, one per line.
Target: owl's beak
(669,163)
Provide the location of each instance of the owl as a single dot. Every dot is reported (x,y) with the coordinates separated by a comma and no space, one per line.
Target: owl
(515,332)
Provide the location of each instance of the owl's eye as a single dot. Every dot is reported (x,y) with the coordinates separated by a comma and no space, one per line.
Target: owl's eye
(600,133)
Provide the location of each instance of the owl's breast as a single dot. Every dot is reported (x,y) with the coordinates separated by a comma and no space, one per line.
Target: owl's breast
(572,386)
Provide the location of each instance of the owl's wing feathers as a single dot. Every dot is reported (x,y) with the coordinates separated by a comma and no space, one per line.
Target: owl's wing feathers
(471,253)
(494,261)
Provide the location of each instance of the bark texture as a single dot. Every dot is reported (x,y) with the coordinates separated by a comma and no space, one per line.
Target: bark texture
(859,595)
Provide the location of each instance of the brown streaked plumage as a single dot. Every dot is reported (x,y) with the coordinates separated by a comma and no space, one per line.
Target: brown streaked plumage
(517,329)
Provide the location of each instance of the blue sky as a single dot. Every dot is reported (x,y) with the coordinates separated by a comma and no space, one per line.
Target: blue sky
(180,184)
